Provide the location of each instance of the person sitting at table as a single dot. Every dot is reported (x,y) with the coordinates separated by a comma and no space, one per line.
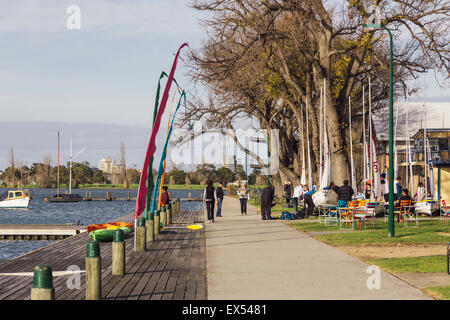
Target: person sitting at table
(404,196)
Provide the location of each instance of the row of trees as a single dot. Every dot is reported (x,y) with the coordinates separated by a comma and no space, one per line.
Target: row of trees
(205,172)
(44,175)
(265,59)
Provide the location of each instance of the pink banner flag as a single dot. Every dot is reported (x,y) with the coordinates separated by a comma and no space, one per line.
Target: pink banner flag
(143,190)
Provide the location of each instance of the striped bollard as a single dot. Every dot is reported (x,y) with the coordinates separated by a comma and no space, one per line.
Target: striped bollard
(118,254)
(43,283)
(140,234)
(156,222)
(93,271)
(150,229)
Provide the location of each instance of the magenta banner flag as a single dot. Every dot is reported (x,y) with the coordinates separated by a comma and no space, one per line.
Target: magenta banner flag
(151,148)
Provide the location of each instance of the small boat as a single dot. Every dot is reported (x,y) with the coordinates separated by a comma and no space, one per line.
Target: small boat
(65,198)
(15,199)
(428,207)
(104,235)
(111,225)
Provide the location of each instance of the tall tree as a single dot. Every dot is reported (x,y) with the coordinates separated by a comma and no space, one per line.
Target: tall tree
(264,59)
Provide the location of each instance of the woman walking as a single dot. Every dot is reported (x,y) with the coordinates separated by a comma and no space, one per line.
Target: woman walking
(209,197)
(243,194)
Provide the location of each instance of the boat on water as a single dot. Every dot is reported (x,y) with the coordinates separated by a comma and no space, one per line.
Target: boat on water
(65,198)
(15,199)
(59,198)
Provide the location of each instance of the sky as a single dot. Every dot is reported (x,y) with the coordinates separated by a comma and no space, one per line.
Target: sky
(104,73)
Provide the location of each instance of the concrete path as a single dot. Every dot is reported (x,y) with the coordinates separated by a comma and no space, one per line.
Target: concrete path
(248,258)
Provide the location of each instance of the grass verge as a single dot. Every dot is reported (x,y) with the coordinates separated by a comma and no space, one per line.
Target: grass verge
(416,264)
(441,293)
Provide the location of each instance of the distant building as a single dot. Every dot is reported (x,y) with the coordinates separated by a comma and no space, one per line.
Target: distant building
(438,133)
(112,170)
(230,163)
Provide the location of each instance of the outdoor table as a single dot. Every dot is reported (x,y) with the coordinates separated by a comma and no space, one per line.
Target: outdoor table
(325,208)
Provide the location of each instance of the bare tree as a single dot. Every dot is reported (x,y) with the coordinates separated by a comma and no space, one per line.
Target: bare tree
(123,165)
(264,59)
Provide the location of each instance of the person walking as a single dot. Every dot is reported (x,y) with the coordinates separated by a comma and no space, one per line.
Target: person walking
(219,195)
(209,197)
(345,194)
(309,203)
(267,196)
(243,195)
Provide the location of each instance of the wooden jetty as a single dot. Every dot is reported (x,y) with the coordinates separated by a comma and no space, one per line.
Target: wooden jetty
(39,232)
(172,267)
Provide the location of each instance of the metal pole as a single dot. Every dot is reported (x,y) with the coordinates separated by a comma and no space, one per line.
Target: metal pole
(391,141)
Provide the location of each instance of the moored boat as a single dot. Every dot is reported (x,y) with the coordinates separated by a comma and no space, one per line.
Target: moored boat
(15,199)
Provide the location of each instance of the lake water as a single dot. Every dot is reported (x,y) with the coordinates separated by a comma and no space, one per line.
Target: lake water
(87,212)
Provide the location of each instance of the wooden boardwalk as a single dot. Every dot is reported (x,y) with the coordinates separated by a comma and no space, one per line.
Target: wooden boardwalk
(172,268)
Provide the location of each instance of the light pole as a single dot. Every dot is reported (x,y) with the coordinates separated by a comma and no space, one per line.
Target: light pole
(377,26)
(258,140)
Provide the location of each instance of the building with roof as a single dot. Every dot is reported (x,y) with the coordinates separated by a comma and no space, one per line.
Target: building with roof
(412,119)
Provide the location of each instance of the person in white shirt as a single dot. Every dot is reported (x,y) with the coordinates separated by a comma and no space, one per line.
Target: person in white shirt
(420,194)
(298,193)
(243,195)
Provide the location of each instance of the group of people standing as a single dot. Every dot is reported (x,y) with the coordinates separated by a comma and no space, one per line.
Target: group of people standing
(211,196)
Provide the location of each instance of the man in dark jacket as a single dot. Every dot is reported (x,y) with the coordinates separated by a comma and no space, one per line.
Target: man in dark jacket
(345,193)
(266,202)
(219,195)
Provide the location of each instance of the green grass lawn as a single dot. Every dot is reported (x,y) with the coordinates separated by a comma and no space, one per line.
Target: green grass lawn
(442,293)
(428,232)
(413,264)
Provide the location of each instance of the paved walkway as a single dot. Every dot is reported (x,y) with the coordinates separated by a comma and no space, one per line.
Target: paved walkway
(248,258)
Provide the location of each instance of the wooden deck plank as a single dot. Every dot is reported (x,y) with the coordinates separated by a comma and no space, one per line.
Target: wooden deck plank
(161,272)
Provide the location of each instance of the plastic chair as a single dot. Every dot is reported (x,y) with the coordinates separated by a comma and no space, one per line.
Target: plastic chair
(408,214)
(346,214)
(367,212)
(333,212)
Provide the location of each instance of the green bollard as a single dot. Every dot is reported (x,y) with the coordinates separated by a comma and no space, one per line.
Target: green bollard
(150,228)
(118,254)
(140,234)
(163,216)
(156,223)
(93,271)
(43,283)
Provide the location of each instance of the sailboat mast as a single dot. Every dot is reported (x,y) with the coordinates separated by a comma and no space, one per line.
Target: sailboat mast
(309,150)
(70,169)
(364,138)
(370,139)
(351,148)
(320,135)
(57,179)
(425,137)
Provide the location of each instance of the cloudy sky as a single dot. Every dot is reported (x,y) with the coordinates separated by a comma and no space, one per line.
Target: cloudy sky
(105,72)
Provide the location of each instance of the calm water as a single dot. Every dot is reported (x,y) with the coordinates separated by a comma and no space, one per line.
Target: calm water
(87,212)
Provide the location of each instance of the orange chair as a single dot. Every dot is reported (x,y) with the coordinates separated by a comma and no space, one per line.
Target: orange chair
(403,208)
(346,215)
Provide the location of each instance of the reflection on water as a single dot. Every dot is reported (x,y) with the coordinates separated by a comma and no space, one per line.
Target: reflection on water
(85,212)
